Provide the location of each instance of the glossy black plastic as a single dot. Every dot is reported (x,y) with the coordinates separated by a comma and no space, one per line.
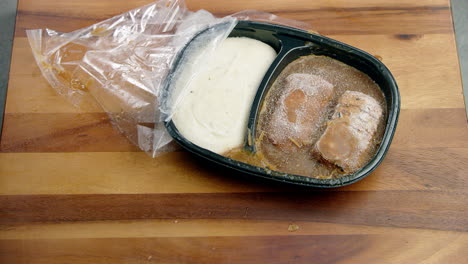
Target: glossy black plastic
(291,43)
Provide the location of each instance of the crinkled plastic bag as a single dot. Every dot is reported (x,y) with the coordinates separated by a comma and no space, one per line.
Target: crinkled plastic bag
(121,64)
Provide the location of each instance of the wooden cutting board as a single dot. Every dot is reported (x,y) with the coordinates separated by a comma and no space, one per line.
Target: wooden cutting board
(73,190)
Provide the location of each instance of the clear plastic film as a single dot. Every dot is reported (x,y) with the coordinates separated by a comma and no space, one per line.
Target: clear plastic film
(122,64)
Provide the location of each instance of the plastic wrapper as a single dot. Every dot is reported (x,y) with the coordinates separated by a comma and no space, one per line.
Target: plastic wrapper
(121,64)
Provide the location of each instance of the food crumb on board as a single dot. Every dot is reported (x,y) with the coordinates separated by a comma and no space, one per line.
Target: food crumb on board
(293,228)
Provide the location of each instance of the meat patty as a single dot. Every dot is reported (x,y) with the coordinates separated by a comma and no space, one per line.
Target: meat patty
(348,135)
(299,112)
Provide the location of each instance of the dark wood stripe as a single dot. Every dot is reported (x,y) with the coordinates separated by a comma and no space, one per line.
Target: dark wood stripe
(408,36)
(262,249)
(364,20)
(412,209)
(367,8)
(93,132)
(86,16)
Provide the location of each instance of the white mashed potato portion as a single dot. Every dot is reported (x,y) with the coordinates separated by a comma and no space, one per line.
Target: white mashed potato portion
(214,112)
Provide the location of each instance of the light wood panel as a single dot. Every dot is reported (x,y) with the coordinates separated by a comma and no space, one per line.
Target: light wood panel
(127,172)
(419,63)
(198,228)
(425,66)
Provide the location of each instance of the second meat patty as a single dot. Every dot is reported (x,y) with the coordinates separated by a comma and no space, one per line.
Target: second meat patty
(348,136)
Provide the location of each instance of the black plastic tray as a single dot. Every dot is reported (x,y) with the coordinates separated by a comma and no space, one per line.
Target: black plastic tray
(291,43)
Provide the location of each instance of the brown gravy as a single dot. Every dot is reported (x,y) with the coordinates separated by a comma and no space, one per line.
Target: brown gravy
(299,158)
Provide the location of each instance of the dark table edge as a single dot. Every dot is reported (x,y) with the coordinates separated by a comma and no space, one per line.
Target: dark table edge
(7,30)
(460,26)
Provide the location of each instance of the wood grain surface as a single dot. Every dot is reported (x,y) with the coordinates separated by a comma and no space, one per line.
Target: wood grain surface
(74,190)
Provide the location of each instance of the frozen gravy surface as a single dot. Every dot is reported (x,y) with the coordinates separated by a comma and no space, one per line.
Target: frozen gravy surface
(213,113)
(287,143)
